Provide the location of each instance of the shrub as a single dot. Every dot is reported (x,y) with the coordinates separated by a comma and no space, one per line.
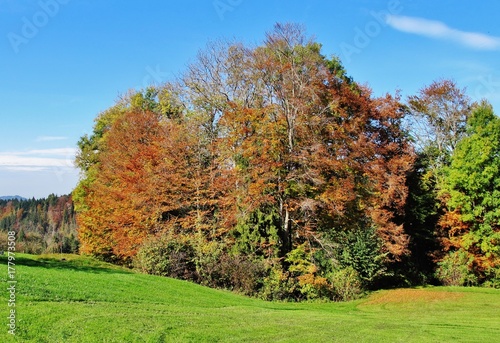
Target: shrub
(361,251)
(245,273)
(277,285)
(308,282)
(167,256)
(207,255)
(346,284)
(493,277)
(234,272)
(456,270)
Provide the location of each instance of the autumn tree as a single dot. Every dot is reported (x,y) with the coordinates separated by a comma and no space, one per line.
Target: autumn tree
(266,156)
(142,161)
(359,165)
(439,114)
(314,155)
(472,193)
(95,238)
(441,110)
(437,117)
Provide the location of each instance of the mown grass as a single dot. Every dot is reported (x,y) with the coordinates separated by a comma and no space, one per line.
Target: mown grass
(84,300)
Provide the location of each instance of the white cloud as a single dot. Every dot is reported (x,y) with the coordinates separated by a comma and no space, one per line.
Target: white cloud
(23,169)
(56,152)
(437,29)
(38,160)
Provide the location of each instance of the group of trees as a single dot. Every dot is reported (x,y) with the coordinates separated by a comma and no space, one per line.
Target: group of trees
(270,171)
(457,188)
(46,225)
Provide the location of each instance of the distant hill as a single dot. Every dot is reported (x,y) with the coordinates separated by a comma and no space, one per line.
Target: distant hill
(12,197)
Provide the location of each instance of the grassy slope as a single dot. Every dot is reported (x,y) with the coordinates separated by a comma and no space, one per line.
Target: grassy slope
(82,300)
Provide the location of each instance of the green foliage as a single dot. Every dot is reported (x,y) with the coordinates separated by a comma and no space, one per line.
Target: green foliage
(474,174)
(258,233)
(277,284)
(218,268)
(492,277)
(472,189)
(146,100)
(207,259)
(238,273)
(456,270)
(304,274)
(206,263)
(422,211)
(361,251)
(167,256)
(346,284)
(89,146)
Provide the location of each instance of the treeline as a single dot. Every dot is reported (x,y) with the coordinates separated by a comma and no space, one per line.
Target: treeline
(46,225)
(268,170)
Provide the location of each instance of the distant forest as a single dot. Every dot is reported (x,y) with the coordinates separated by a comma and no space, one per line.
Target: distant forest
(46,225)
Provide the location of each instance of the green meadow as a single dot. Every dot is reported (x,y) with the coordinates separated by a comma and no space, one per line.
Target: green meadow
(69,298)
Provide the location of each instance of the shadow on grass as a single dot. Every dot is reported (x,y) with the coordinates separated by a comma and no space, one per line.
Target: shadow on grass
(77,264)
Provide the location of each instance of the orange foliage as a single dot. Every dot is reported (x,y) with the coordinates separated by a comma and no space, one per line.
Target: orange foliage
(297,138)
(142,186)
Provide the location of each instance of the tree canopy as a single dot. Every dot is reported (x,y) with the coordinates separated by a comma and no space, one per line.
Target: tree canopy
(269,170)
(472,192)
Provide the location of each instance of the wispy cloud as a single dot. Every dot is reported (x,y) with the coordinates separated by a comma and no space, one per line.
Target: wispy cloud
(38,160)
(50,138)
(437,29)
(54,152)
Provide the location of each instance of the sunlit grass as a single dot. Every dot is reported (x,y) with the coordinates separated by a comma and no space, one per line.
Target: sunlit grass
(79,299)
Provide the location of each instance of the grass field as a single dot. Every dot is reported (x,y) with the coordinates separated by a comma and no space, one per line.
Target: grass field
(83,300)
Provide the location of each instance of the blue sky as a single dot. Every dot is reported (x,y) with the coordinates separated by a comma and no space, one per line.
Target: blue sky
(64,61)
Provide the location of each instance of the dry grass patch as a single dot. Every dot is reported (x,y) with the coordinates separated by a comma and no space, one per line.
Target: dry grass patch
(404,296)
